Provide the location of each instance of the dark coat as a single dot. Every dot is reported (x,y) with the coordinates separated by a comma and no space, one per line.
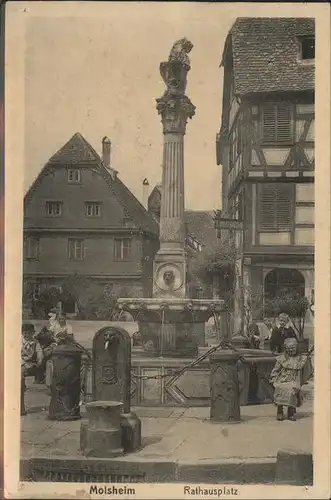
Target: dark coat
(278,336)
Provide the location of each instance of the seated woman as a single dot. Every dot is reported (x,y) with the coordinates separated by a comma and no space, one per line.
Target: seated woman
(56,332)
(62,331)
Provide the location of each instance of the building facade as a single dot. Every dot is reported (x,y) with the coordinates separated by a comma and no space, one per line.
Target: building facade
(266,148)
(81,221)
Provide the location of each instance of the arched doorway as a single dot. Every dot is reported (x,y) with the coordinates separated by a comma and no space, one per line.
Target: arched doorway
(283,282)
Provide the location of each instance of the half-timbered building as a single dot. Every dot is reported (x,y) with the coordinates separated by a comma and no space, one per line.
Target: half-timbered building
(266,149)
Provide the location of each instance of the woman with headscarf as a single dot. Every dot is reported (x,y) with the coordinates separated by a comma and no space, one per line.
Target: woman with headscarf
(280,333)
(287,377)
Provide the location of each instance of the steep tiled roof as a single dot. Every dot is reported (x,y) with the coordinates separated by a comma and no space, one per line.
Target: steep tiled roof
(265,55)
(79,152)
(76,151)
(134,208)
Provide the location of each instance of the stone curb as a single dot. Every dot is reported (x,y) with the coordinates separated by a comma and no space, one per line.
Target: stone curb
(235,471)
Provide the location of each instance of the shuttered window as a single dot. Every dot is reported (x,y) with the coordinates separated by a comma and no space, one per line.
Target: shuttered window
(277,125)
(275,207)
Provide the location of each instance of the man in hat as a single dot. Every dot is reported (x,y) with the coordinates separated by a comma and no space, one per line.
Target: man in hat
(30,358)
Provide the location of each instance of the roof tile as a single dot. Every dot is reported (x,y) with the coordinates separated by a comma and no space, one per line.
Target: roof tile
(266,55)
(76,151)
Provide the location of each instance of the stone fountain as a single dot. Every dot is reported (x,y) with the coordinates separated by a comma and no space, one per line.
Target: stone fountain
(169,322)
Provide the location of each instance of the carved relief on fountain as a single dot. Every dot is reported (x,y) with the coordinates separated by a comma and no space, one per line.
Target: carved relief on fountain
(169,277)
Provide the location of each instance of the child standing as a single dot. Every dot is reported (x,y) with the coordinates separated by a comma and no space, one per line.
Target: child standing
(287,377)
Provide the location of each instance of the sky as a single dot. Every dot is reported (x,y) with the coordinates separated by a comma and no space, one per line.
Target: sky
(98,74)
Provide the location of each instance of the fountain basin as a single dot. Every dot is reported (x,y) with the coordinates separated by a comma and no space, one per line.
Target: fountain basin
(171,327)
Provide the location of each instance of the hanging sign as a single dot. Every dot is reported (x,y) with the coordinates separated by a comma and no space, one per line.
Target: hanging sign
(228,224)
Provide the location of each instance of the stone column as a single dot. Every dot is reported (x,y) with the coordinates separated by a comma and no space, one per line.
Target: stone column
(172,230)
(175,108)
(225,405)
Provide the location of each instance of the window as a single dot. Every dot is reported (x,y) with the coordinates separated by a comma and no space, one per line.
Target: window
(307,51)
(31,247)
(277,124)
(35,289)
(275,207)
(93,209)
(74,176)
(76,249)
(236,207)
(284,282)
(53,208)
(122,248)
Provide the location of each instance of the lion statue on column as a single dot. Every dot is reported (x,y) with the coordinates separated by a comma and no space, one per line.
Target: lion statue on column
(179,52)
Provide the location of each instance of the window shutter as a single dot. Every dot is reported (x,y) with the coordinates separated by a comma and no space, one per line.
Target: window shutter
(275,207)
(277,123)
(284,207)
(284,123)
(267,207)
(269,123)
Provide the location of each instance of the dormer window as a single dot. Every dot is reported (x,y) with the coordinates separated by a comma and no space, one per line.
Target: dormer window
(307,48)
(74,176)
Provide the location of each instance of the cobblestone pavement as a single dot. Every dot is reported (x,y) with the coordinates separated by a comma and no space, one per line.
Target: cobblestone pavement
(177,434)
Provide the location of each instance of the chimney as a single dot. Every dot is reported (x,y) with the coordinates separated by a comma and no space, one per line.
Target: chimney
(145,193)
(106,150)
(106,153)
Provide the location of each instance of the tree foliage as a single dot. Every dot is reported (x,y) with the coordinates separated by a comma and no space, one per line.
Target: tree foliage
(93,300)
(47,300)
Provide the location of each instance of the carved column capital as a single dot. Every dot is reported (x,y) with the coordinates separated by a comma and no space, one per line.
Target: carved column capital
(175,111)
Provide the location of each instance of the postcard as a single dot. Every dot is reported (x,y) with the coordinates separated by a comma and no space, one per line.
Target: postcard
(167,250)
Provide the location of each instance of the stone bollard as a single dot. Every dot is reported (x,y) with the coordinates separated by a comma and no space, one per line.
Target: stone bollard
(225,406)
(294,468)
(65,385)
(103,438)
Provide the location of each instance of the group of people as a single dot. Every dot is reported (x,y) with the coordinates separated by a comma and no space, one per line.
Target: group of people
(279,333)
(36,349)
